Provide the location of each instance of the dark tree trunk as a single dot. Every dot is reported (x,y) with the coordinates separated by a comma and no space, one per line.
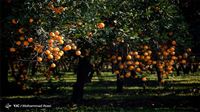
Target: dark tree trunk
(178,69)
(4,74)
(194,68)
(34,69)
(120,83)
(159,75)
(83,70)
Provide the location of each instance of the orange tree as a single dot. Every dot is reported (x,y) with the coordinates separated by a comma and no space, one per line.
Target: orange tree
(132,35)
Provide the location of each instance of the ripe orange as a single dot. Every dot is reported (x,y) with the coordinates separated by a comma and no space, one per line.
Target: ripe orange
(183,61)
(47,52)
(61,42)
(14,21)
(174,57)
(30,40)
(170,71)
(116,72)
(52,34)
(172,53)
(128,57)
(50,56)
(119,58)
(53,65)
(31,20)
(50,49)
(165,53)
(137,56)
(57,57)
(138,70)
(121,66)
(128,74)
(149,62)
(131,67)
(74,47)
(154,62)
(172,49)
(137,63)
(21,38)
(57,37)
(135,53)
(171,62)
(144,78)
(149,52)
(160,66)
(67,48)
(18,42)
(60,53)
(169,68)
(100,25)
(51,41)
(113,57)
(146,47)
(78,53)
(12,49)
(173,42)
(129,62)
(51,45)
(56,49)
(26,43)
(189,50)
(131,53)
(57,33)
(39,59)
(148,57)
(142,57)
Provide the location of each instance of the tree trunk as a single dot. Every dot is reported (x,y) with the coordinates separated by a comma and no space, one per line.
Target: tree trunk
(4,75)
(83,69)
(159,75)
(120,83)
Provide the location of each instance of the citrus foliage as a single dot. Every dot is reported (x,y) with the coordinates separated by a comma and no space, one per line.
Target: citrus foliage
(132,34)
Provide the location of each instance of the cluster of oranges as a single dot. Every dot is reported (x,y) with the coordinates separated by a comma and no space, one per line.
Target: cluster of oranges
(56,47)
(50,49)
(142,59)
(166,58)
(134,60)
(23,39)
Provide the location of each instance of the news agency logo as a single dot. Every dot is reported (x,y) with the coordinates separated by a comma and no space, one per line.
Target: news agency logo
(7,106)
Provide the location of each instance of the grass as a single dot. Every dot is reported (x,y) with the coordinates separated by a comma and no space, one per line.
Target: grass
(108,109)
(176,95)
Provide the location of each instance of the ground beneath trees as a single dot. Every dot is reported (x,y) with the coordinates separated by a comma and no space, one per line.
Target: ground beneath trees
(180,93)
